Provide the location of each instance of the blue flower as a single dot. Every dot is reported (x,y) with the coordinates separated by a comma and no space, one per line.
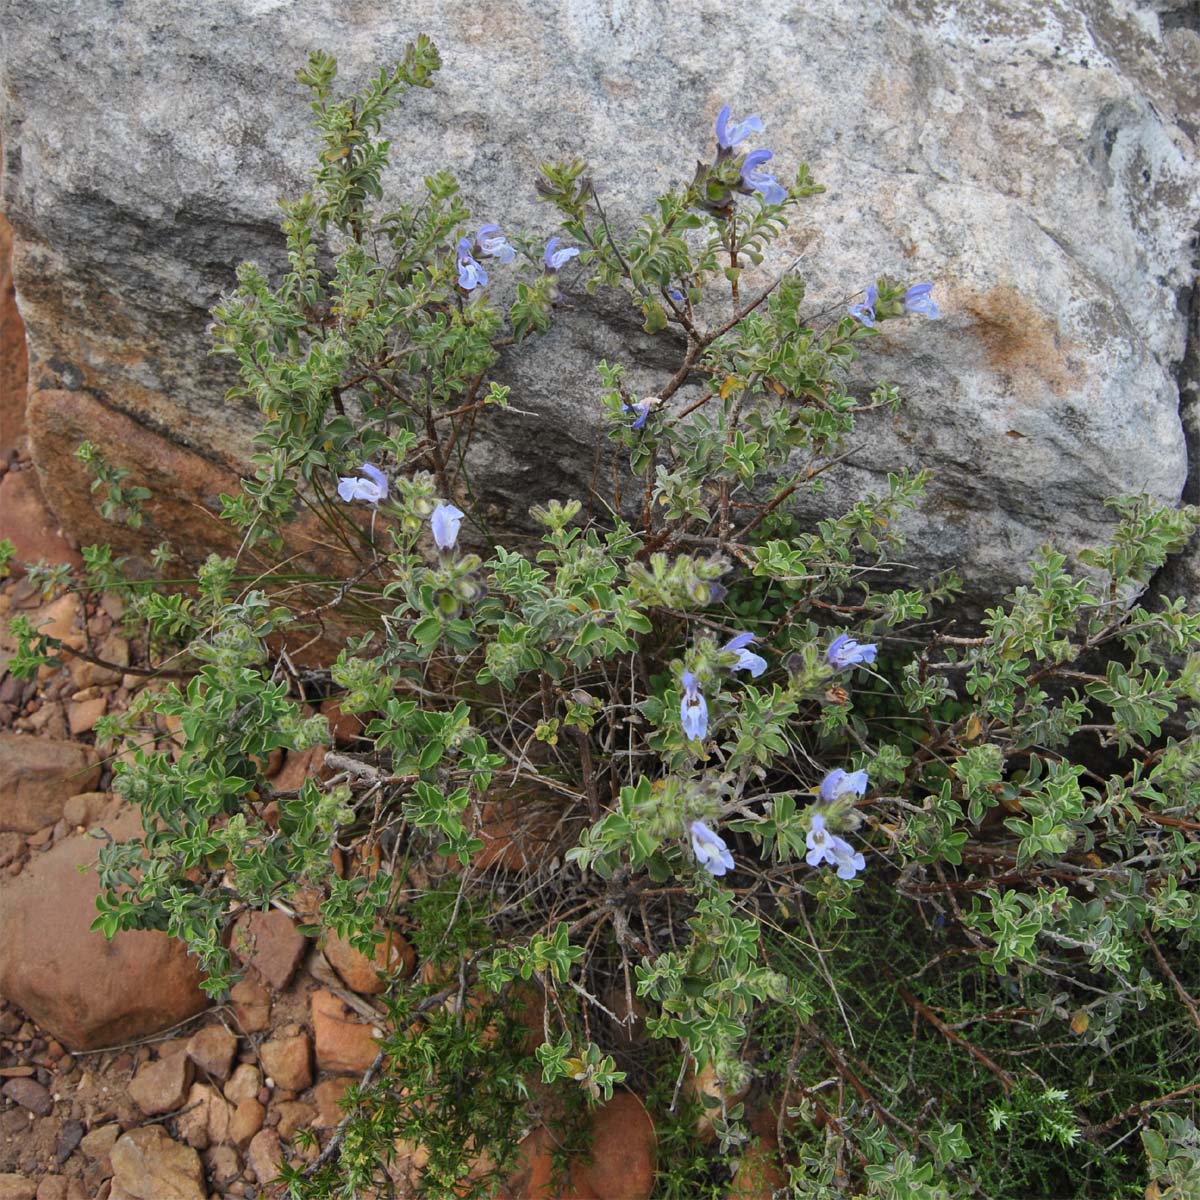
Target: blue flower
(747,661)
(445,522)
(710,849)
(372,488)
(676,295)
(642,408)
(864,311)
(470,274)
(827,847)
(767,186)
(844,651)
(918,300)
(693,711)
(554,259)
(494,244)
(839,783)
(728,138)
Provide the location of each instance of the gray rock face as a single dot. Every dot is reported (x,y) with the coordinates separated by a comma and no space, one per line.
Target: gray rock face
(1036,158)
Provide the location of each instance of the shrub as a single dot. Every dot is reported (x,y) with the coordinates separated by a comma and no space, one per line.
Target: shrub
(912,888)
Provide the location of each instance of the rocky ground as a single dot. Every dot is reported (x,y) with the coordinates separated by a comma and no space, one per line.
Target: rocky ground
(120,1080)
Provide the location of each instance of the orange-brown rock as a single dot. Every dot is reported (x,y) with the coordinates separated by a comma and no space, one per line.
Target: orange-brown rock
(623,1152)
(287,1058)
(327,1095)
(251,1000)
(14,361)
(270,943)
(148,1165)
(37,778)
(29,525)
(212,1049)
(362,974)
(760,1172)
(344,727)
(162,1086)
(88,991)
(343,1042)
(519,828)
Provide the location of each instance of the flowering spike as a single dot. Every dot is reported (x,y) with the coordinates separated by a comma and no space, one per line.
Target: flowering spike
(445,522)
(747,660)
(864,311)
(728,138)
(371,486)
(494,244)
(826,847)
(918,300)
(710,849)
(470,274)
(767,186)
(844,651)
(693,710)
(839,783)
(556,259)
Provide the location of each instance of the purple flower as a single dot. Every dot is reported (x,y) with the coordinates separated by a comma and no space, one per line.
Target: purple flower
(918,300)
(445,522)
(494,244)
(767,186)
(839,783)
(470,274)
(728,138)
(642,408)
(372,488)
(554,259)
(676,295)
(864,311)
(717,593)
(693,711)
(747,661)
(710,849)
(827,847)
(844,651)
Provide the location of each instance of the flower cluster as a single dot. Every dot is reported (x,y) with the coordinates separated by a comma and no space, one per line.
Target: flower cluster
(445,522)
(371,486)
(917,299)
(824,846)
(754,179)
(489,242)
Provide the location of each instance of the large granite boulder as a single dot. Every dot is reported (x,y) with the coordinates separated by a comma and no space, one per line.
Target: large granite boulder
(1036,158)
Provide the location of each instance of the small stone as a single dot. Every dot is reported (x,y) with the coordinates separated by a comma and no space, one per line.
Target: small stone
(86,808)
(223,1163)
(287,1059)
(37,777)
(362,974)
(30,1094)
(251,1001)
(17,1187)
(271,943)
(294,1115)
(69,1137)
(247,1120)
(343,1043)
(327,1096)
(162,1086)
(148,1165)
(207,1119)
(82,715)
(243,1083)
(265,1156)
(97,1143)
(52,1187)
(12,846)
(212,1049)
